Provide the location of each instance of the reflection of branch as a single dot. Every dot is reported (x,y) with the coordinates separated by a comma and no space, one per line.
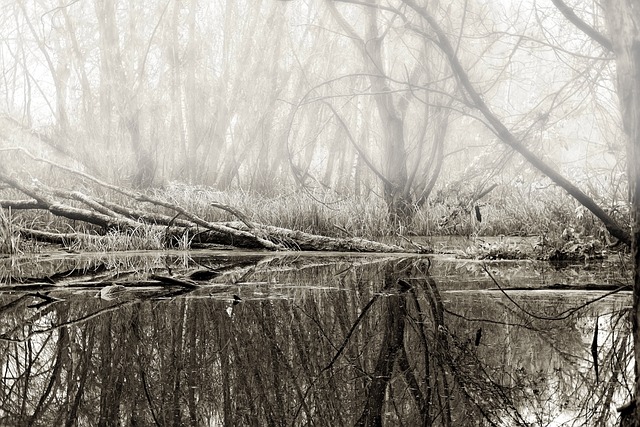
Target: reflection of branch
(87,353)
(393,322)
(426,354)
(561,316)
(12,304)
(57,367)
(46,300)
(490,321)
(172,281)
(412,382)
(147,392)
(69,323)
(353,328)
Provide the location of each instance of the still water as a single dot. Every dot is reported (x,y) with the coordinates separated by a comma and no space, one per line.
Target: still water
(255,339)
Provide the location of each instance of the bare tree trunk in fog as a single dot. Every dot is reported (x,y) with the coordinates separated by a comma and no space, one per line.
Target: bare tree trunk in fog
(108,46)
(145,164)
(59,72)
(79,57)
(431,172)
(194,110)
(178,127)
(121,85)
(623,18)
(406,178)
(391,117)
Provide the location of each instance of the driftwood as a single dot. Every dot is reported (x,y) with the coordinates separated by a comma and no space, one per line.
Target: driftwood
(106,215)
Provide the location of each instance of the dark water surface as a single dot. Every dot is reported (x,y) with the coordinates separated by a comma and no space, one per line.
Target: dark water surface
(255,339)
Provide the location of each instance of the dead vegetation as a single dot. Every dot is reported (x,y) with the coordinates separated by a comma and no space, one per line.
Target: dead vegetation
(176,225)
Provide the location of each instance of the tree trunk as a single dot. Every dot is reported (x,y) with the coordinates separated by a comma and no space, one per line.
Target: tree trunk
(623,19)
(394,165)
(145,164)
(108,41)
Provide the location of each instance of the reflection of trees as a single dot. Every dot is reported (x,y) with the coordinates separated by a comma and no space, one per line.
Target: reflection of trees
(372,343)
(542,350)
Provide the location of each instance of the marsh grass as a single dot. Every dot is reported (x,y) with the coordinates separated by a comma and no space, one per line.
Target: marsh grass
(508,211)
(142,238)
(324,214)
(10,240)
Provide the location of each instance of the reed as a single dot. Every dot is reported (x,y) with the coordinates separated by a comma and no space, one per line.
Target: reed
(10,241)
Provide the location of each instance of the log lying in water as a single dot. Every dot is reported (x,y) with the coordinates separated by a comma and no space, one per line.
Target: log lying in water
(299,240)
(110,216)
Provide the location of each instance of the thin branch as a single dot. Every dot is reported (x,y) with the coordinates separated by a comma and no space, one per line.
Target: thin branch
(362,154)
(561,316)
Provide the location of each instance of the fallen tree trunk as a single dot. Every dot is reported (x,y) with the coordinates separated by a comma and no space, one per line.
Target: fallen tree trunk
(299,240)
(108,216)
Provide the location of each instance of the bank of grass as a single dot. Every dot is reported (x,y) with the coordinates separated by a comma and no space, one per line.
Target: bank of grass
(141,238)
(550,214)
(324,214)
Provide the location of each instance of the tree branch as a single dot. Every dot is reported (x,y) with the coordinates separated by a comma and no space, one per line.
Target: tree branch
(583,26)
(509,138)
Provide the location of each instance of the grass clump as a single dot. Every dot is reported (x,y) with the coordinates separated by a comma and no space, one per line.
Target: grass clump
(318,213)
(141,238)
(577,248)
(10,241)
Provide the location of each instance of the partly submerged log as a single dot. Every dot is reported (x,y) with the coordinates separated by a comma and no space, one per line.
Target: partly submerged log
(109,216)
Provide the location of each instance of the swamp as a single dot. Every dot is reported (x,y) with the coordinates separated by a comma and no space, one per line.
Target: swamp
(320,213)
(248,338)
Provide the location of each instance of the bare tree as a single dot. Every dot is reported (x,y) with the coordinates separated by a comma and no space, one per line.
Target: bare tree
(623,18)
(406,179)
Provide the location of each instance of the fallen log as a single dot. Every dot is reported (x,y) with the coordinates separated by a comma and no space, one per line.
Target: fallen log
(108,216)
(64,239)
(299,240)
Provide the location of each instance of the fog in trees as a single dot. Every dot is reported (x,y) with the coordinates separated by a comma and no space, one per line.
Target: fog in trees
(308,125)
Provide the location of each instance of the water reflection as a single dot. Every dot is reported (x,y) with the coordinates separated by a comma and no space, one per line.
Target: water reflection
(220,339)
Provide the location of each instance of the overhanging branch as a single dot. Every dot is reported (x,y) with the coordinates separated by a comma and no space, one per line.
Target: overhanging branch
(509,138)
(583,26)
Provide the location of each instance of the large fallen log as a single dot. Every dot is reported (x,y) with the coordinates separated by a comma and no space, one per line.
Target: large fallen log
(299,240)
(108,216)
